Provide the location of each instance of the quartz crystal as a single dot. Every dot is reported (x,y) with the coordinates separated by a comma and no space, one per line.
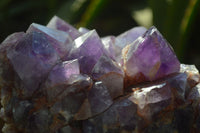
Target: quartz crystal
(88,48)
(109,44)
(60,79)
(104,66)
(59,24)
(129,36)
(32,58)
(61,41)
(150,57)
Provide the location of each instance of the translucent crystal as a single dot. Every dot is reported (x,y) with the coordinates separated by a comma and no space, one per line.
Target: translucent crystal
(151,57)
(61,41)
(104,66)
(32,59)
(59,24)
(88,48)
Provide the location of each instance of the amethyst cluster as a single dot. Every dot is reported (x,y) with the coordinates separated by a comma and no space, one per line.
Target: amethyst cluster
(58,79)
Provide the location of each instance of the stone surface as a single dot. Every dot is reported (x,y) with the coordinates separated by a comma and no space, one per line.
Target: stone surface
(121,117)
(99,98)
(58,79)
(114,83)
(152,99)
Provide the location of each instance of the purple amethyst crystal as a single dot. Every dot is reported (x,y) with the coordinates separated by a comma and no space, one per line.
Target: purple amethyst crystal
(150,57)
(104,66)
(88,48)
(11,40)
(59,79)
(5,66)
(114,45)
(61,41)
(32,58)
(59,24)
(109,45)
(99,98)
(62,71)
(129,36)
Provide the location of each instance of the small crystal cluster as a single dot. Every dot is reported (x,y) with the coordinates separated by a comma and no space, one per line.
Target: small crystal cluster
(58,79)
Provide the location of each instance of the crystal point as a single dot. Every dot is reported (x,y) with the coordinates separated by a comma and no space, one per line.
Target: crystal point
(105,65)
(152,56)
(88,48)
(59,24)
(61,41)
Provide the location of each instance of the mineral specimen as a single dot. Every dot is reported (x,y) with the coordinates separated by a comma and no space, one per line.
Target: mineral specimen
(58,79)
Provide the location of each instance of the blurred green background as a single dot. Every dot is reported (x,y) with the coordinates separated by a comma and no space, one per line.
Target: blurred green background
(177,20)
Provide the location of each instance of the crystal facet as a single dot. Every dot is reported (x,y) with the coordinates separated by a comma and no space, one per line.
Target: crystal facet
(59,24)
(129,36)
(88,48)
(104,66)
(63,72)
(61,41)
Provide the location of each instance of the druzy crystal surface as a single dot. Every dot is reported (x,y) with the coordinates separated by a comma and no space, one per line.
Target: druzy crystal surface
(60,79)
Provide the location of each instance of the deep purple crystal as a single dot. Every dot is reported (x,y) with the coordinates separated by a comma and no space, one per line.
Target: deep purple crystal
(150,56)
